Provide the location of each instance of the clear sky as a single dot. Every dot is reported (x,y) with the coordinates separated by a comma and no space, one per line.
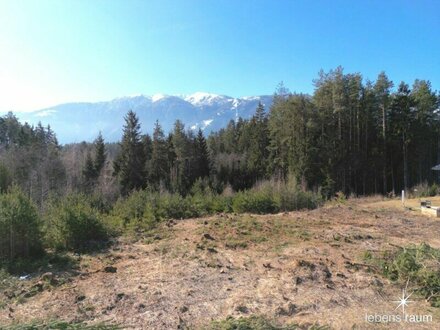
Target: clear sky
(55,51)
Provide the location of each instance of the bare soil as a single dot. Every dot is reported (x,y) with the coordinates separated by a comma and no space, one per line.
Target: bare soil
(302,267)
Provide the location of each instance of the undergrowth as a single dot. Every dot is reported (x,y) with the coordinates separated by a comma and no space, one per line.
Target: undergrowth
(257,323)
(417,265)
(60,325)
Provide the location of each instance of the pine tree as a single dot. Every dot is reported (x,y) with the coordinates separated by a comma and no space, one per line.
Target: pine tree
(382,89)
(402,120)
(130,163)
(426,128)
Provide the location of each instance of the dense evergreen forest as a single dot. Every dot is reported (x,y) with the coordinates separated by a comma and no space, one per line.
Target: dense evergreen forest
(350,137)
(355,136)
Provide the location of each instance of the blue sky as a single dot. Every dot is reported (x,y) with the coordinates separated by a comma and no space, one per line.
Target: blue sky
(55,51)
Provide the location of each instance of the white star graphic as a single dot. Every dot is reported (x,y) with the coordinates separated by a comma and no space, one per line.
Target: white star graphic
(404,300)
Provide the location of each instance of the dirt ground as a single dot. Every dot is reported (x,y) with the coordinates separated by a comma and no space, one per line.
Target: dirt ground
(304,267)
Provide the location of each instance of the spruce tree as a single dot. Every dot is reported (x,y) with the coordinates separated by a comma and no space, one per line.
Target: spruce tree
(180,178)
(159,170)
(258,144)
(100,154)
(130,163)
(89,171)
(202,154)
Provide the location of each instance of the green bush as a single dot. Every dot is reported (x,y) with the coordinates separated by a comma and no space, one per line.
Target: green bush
(202,205)
(132,211)
(291,199)
(417,265)
(73,224)
(222,203)
(250,201)
(434,190)
(424,190)
(174,206)
(20,234)
(142,210)
(273,196)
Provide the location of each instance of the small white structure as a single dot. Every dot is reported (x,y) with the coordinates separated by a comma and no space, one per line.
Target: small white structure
(431,211)
(426,208)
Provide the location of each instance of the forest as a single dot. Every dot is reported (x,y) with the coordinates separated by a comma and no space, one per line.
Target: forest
(351,137)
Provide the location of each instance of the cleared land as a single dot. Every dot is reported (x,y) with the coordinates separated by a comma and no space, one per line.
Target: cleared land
(304,267)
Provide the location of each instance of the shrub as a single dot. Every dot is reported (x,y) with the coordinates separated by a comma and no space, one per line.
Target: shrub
(291,199)
(202,205)
(433,190)
(143,210)
(174,206)
(134,213)
(20,234)
(274,196)
(417,265)
(222,203)
(424,190)
(253,201)
(201,187)
(340,197)
(73,224)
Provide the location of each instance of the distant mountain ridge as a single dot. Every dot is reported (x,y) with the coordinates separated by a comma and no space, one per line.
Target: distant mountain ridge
(76,122)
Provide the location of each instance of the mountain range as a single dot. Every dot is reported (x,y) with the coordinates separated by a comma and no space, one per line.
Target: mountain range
(76,122)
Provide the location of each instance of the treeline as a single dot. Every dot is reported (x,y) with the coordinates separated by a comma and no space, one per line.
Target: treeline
(172,163)
(351,136)
(355,136)
(30,157)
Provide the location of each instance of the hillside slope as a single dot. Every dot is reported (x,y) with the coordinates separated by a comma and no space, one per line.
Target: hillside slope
(304,267)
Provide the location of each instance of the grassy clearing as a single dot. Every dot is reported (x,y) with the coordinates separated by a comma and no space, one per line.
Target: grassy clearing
(419,265)
(243,231)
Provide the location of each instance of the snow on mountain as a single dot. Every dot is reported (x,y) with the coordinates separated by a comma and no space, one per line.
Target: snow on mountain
(76,122)
(201,99)
(208,122)
(158,97)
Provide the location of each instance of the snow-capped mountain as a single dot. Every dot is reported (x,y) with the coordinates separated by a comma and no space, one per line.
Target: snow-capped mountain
(75,122)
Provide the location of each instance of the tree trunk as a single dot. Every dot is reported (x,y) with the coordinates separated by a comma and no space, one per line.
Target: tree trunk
(405,164)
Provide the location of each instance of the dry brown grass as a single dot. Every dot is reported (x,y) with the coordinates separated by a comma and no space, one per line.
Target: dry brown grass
(303,267)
